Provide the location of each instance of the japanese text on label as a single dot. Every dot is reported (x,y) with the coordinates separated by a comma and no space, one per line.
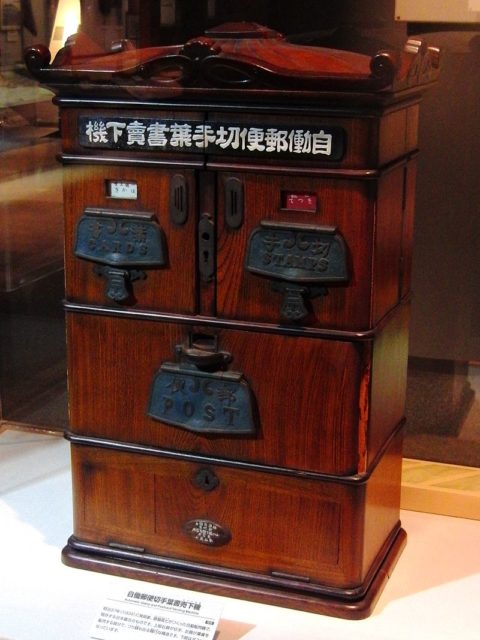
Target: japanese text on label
(169,135)
(155,615)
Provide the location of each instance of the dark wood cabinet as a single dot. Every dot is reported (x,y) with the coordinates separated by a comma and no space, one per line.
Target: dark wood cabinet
(238,246)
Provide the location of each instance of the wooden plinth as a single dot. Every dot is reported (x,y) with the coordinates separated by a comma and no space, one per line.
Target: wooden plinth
(124,564)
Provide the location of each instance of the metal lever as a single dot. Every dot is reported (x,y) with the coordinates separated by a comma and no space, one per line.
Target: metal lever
(294,306)
(202,358)
(118,281)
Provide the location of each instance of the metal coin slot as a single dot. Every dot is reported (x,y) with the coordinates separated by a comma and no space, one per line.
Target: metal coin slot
(234,203)
(178,200)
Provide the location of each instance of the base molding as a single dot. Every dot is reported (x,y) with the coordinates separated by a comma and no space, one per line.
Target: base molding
(294,598)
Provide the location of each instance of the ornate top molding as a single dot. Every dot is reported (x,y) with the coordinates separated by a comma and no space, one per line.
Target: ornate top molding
(236,56)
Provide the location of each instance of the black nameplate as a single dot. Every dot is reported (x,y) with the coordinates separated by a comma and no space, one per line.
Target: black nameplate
(120,238)
(165,135)
(207,532)
(200,401)
(297,253)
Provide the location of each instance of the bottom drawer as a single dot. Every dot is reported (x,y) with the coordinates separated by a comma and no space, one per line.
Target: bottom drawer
(315,534)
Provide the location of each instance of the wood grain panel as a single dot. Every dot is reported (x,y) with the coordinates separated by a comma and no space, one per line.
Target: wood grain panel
(344,529)
(388,242)
(408,221)
(126,507)
(389,381)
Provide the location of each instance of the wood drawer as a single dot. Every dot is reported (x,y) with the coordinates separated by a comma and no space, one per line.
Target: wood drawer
(244,523)
(307,403)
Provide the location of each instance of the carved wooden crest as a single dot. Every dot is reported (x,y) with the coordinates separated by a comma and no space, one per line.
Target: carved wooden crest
(236,56)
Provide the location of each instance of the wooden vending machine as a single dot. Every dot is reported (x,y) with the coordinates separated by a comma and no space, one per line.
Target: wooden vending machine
(238,235)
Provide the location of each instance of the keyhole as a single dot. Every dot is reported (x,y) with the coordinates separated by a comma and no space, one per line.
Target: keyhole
(206,235)
(206,480)
(206,253)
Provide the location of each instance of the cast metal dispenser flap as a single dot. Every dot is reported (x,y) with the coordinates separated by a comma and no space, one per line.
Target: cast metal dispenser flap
(297,253)
(299,259)
(197,394)
(120,238)
(120,242)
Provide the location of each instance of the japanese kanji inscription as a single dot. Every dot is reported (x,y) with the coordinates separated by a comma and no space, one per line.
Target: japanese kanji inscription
(149,134)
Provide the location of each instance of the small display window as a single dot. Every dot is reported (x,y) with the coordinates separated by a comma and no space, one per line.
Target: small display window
(299,201)
(122,189)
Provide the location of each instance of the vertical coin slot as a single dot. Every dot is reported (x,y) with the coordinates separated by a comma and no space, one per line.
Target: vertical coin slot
(234,203)
(178,200)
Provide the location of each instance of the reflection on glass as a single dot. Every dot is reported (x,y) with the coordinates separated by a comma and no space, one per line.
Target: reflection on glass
(443,411)
(32,346)
(67,19)
(443,417)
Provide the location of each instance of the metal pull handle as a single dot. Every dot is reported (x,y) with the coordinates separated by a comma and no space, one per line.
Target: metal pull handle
(204,358)
(118,281)
(295,303)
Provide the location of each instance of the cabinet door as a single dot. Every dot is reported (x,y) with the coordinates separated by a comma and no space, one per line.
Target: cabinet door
(130,237)
(322,252)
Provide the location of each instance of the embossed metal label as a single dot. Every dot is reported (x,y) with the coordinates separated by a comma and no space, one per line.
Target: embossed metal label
(120,238)
(207,532)
(297,253)
(200,401)
(187,136)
